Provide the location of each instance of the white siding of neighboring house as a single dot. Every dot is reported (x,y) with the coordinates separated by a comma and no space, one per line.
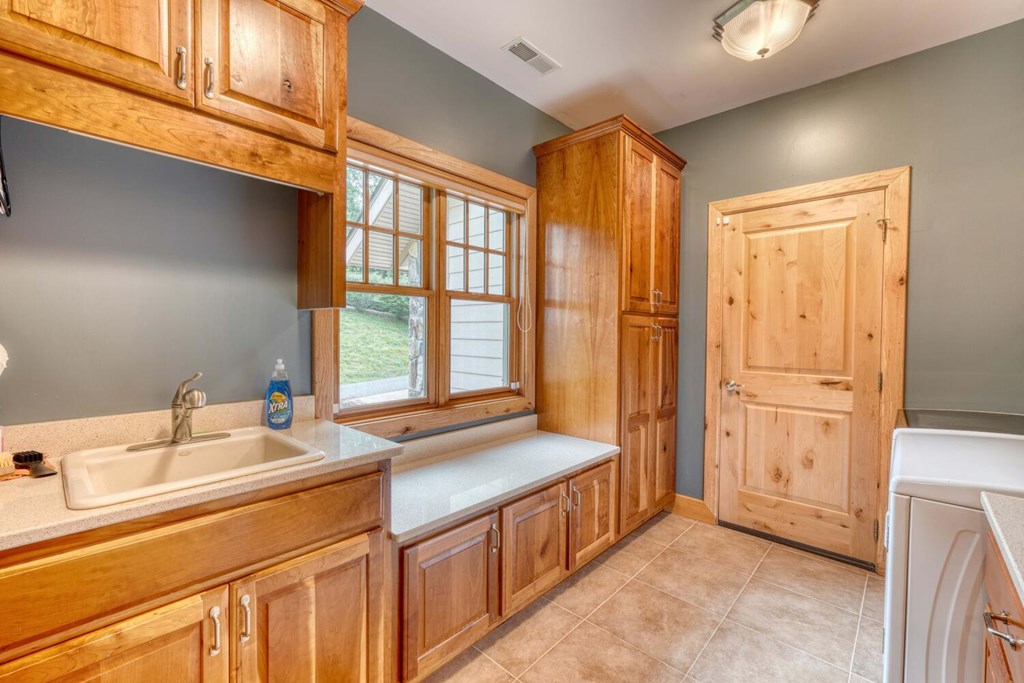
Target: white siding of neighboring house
(478,345)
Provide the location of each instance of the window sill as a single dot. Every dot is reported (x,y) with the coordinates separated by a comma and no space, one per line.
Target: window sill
(420,420)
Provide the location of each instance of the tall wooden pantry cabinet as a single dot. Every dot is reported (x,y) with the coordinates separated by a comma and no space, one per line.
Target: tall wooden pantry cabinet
(609,203)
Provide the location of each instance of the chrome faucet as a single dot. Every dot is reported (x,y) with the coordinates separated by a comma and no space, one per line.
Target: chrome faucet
(183,404)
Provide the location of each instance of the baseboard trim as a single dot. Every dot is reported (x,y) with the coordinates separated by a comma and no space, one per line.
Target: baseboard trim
(693,508)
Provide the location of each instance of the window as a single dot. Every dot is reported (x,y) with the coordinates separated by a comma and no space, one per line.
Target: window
(415,337)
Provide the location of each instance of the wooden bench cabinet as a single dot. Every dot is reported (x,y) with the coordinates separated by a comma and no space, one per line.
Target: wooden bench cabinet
(1004,614)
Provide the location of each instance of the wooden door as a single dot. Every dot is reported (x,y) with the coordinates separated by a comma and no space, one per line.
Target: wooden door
(636,441)
(144,46)
(275,65)
(306,619)
(449,594)
(593,519)
(667,202)
(801,363)
(666,376)
(177,643)
(535,547)
(638,226)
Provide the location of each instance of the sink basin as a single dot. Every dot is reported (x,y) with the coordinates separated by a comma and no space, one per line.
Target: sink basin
(104,476)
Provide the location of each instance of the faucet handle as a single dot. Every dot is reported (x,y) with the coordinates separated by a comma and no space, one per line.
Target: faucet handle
(181,388)
(194,398)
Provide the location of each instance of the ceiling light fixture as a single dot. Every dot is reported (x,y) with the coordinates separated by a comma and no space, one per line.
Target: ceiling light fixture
(755,29)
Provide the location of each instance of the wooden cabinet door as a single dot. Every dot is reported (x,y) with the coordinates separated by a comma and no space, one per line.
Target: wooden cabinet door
(144,46)
(592,522)
(273,64)
(665,276)
(666,361)
(306,619)
(177,643)
(449,593)
(636,438)
(638,227)
(535,548)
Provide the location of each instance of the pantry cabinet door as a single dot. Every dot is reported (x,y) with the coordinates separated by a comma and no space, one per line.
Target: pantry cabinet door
(306,619)
(449,593)
(184,642)
(667,188)
(141,45)
(638,384)
(638,227)
(534,552)
(592,523)
(666,360)
(276,65)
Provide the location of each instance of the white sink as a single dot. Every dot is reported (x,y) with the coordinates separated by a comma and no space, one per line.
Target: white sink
(104,476)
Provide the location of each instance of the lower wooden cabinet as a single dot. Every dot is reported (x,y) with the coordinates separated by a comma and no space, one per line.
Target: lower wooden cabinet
(450,593)
(183,641)
(1004,614)
(592,521)
(535,554)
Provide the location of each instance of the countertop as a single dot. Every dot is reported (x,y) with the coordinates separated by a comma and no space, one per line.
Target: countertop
(1006,519)
(33,510)
(429,494)
(966,421)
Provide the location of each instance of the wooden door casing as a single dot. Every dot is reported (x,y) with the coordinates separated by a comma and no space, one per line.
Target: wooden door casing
(638,232)
(143,46)
(534,552)
(801,330)
(592,523)
(306,619)
(274,65)
(666,374)
(638,385)
(450,594)
(171,644)
(667,203)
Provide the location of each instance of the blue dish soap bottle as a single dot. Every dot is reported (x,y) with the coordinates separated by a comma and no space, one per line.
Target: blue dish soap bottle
(279,399)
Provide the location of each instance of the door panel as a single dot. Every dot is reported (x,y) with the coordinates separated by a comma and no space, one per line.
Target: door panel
(534,557)
(638,227)
(663,455)
(133,44)
(638,383)
(273,65)
(306,619)
(172,644)
(450,593)
(801,329)
(666,238)
(592,526)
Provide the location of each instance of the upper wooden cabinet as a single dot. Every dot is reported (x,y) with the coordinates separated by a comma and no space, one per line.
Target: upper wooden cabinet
(143,46)
(274,65)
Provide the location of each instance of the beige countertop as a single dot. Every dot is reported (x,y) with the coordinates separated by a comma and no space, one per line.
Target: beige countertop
(1006,519)
(33,510)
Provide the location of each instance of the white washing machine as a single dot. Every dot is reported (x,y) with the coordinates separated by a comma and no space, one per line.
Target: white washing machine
(935,538)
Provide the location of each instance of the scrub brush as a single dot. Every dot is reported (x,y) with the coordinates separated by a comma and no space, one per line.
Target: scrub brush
(6,464)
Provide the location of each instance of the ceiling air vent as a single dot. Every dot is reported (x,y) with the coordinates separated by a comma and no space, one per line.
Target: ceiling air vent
(531,55)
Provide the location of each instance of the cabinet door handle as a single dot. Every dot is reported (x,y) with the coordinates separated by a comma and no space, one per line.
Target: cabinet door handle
(209,77)
(215,616)
(567,507)
(578,496)
(657,328)
(990,620)
(497,538)
(246,620)
(182,68)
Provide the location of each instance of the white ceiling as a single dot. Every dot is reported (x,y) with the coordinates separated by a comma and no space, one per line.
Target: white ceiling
(656,61)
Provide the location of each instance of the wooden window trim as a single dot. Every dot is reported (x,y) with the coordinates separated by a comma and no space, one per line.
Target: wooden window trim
(400,157)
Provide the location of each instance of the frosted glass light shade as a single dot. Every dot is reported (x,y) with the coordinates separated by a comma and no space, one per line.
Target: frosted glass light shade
(761,28)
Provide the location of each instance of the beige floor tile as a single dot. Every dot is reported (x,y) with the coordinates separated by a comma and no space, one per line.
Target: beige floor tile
(630,555)
(867,660)
(592,655)
(874,598)
(470,667)
(858,679)
(822,579)
(521,640)
(817,628)
(739,655)
(732,549)
(664,528)
(694,579)
(669,629)
(582,592)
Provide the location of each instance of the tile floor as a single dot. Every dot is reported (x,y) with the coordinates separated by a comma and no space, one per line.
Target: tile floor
(683,601)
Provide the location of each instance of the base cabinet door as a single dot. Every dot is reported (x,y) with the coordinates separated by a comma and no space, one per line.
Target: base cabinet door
(663,455)
(534,552)
(183,642)
(306,619)
(638,343)
(593,518)
(449,594)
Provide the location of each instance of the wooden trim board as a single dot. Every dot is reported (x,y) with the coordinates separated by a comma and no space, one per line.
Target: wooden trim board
(896,183)
(692,508)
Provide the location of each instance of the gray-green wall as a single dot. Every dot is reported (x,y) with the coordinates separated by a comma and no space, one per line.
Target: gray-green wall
(122,272)
(956,114)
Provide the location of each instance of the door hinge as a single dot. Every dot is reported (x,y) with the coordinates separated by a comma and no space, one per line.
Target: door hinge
(875,531)
(883,223)
(879,382)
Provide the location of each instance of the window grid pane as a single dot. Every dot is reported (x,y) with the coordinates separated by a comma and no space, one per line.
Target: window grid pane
(479,353)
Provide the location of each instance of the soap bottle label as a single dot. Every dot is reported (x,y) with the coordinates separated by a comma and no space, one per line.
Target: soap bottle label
(279,411)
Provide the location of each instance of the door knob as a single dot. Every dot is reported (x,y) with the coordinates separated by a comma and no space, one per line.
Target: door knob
(732,387)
